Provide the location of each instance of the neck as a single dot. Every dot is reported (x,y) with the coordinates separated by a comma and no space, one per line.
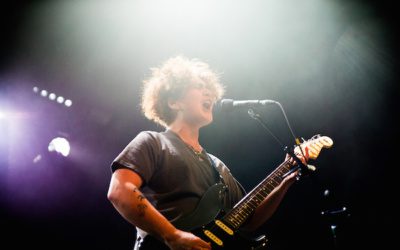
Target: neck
(188,133)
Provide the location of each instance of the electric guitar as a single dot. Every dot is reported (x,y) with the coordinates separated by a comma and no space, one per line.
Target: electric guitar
(221,228)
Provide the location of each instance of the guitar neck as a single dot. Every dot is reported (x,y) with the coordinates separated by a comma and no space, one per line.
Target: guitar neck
(245,208)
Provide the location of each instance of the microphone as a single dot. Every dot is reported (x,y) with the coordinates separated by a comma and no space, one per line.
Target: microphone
(229,104)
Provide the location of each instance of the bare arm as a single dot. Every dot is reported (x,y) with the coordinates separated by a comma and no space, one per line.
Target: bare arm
(268,207)
(127,199)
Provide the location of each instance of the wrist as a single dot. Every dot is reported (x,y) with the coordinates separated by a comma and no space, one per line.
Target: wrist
(169,233)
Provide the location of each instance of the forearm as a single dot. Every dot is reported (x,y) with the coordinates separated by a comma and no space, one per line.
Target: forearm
(267,208)
(137,210)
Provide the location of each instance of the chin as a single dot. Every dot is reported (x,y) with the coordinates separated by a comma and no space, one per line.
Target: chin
(207,121)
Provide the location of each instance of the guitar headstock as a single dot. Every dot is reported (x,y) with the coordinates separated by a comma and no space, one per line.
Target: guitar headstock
(313,146)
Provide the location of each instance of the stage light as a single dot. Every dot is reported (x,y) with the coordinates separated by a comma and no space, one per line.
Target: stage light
(52,96)
(2,115)
(60,145)
(43,93)
(68,103)
(60,99)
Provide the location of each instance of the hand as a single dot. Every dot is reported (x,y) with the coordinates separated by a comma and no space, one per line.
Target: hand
(181,240)
(289,180)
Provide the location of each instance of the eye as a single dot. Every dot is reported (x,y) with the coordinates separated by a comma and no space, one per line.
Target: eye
(207,92)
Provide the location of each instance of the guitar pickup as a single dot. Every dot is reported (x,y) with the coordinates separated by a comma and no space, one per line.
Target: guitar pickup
(214,238)
(224,227)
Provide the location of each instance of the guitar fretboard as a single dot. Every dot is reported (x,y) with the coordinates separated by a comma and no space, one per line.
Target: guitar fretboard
(241,212)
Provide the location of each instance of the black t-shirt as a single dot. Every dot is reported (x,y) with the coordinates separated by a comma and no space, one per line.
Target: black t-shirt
(174,176)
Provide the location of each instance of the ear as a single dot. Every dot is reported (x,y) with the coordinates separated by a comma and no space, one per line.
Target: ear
(174,104)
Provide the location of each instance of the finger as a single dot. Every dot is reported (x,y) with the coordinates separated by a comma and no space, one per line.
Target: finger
(201,248)
(202,244)
(291,178)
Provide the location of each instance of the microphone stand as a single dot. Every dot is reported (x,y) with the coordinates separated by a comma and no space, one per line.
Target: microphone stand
(289,150)
(335,218)
(332,214)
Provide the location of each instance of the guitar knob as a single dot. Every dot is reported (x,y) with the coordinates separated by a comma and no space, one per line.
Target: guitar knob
(298,175)
(311,167)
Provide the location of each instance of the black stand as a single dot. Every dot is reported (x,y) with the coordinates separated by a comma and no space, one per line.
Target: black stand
(331,215)
(301,167)
(335,218)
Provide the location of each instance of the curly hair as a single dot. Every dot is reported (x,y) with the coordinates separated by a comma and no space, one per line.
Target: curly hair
(170,80)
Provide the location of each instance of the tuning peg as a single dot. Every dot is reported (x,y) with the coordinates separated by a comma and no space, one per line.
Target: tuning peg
(316,136)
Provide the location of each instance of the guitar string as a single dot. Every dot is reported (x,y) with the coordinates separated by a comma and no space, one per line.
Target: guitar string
(277,173)
(239,209)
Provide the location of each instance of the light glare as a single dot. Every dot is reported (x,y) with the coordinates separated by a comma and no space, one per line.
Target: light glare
(43,93)
(68,103)
(60,145)
(60,99)
(52,96)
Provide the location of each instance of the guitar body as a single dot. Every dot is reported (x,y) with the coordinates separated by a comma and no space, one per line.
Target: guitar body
(239,242)
(219,238)
(206,222)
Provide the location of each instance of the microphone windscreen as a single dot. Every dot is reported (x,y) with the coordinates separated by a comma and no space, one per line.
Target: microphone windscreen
(226,105)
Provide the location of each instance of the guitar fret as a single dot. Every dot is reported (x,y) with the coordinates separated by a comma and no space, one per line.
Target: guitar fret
(277,180)
(276,183)
(251,205)
(246,214)
(269,190)
(241,212)
(244,208)
(262,191)
(240,217)
(259,195)
(271,186)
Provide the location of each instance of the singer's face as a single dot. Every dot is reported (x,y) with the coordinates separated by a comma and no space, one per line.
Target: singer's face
(197,106)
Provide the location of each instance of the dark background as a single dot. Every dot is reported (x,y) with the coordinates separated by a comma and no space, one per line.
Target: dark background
(335,74)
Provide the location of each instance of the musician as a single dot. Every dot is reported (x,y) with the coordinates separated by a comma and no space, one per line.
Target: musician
(161,176)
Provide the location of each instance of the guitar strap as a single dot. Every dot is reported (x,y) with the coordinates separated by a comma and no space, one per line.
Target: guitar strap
(221,178)
(218,175)
(145,241)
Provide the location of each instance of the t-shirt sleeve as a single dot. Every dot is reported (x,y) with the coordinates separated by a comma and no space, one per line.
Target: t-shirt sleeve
(140,155)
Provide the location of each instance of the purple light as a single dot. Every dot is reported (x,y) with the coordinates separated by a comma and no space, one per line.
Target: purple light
(68,103)
(60,145)
(43,93)
(60,99)
(52,96)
